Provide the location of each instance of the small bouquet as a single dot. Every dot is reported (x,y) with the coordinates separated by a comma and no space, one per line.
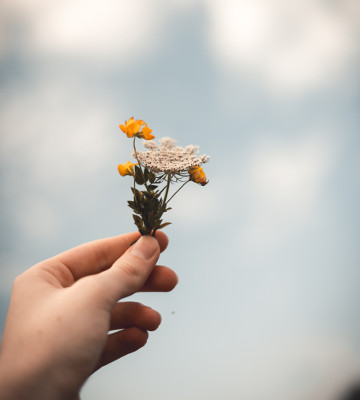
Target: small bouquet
(155,170)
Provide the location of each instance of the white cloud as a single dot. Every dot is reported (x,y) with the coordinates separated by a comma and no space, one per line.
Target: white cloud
(289,175)
(122,30)
(284,186)
(103,31)
(50,132)
(55,141)
(291,47)
(36,218)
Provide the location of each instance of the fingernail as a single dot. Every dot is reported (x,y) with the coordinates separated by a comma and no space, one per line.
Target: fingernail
(145,247)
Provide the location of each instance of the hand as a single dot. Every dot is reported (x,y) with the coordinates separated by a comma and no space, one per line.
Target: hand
(61,310)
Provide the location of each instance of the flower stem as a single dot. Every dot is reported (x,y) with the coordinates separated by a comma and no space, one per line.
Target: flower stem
(167,191)
(139,164)
(162,190)
(162,209)
(177,191)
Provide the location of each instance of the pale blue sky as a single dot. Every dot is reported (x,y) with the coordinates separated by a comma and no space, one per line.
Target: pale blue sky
(267,253)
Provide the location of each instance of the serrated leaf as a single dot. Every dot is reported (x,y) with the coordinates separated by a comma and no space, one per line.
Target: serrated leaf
(138,221)
(133,206)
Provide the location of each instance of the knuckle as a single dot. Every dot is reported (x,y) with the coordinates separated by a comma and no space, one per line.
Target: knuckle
(130,269)
(20,280)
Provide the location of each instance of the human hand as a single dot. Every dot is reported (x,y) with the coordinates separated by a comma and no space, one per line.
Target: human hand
(61,310)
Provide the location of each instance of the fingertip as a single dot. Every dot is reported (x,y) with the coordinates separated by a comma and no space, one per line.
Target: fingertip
(172,279)
(156,320)
(145,248)
(175,281)
(135,338)
(162,239)
(160,319)
(140,337)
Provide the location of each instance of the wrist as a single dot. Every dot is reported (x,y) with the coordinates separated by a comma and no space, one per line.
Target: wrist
(22,381)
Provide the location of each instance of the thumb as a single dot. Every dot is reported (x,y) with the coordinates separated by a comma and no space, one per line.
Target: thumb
(128,274)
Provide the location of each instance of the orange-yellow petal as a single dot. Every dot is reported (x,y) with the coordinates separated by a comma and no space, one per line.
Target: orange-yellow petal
(126,169)
(131,127)
(146,133)
(127,123)
(198,175)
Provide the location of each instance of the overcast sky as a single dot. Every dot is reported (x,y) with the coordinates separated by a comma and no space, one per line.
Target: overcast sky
(267,253)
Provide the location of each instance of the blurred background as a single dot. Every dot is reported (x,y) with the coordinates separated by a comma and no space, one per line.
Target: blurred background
(267,253)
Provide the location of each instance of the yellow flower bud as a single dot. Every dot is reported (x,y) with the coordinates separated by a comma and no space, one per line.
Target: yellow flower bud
(198,175)
(126,169)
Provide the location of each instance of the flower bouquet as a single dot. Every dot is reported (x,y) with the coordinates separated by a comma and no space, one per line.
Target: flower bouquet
(154,171)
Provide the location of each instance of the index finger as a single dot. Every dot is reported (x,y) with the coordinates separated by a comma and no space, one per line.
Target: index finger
(94,257)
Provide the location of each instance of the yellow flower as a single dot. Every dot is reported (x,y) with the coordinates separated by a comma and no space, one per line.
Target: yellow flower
(133,128)
(198,175)
(126,169)
(146,133)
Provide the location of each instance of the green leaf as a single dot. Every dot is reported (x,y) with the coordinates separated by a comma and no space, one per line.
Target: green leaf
(154,204)
(151,218)
(149,195)
(137,196)
(152,177)
(149,176)
(133,206)
(138,221)
(164,224)
(139,177)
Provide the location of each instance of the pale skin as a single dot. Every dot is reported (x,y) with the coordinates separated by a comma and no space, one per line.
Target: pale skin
(62,309)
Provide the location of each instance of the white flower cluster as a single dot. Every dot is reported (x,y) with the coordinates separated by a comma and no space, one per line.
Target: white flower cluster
(168,158)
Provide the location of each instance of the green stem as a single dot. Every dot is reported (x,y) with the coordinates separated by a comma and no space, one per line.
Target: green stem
(177,191)
(159,193)
(139,164)
(161,211)
(166,192)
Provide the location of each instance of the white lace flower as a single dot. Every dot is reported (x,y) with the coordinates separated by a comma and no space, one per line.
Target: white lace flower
(168,158)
